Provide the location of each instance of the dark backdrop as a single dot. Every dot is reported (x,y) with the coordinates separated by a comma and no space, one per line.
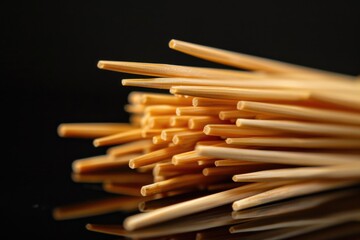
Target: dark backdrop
(49,76)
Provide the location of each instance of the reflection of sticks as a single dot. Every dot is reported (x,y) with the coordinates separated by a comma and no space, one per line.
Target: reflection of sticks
(96,207)
(298,219)
(293,205)
(220,233)
(213,218)
(351,230)
(285,233)
(196,205)
(112,176)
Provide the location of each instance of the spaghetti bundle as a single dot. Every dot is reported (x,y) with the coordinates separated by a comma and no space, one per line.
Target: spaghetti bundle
(225,141)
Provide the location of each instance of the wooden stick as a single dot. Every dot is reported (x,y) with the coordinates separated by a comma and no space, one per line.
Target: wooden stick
(211,143)
(99,163)
(292,205)
(207,102)
(134,97)
(304,113)
(157,156)
(118,138)
(155,147)
(350,171)
(241,93)
(149,168)
(342,99)
(199,123)
(164,169)
(201,111)
(176,183)
(230,163)
(193,206)
(167,70)
(159,110)
(92,130)
(206,163)
(188,157)
(323,143)
(135,120)
(168,134)
(132,147)
(301,127)
(164,99)
(179,121)
(223,186)
(261,82)
(149,133)
(282,157)
(233,114)
(158,122)
(245,168)
(158,140)
(134,108)
(189,137)
(230,130)
(269,117)
(241,60)
(121,188)
(288,191)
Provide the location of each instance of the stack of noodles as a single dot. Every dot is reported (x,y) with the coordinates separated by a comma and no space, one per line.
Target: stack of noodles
(266,153)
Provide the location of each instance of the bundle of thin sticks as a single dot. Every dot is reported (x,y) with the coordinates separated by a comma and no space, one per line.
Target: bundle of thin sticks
(252,137)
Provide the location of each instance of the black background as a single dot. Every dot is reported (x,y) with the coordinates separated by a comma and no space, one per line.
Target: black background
(49,53)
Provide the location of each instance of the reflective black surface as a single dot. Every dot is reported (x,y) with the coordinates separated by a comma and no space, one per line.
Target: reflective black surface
(49,55)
